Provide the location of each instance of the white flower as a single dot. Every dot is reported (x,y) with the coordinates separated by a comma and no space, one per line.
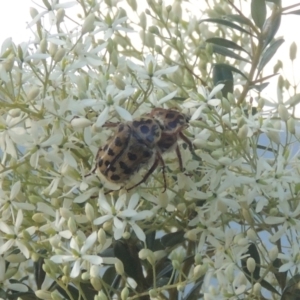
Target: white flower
(149,71)
(79,255)
(15,234)
(122,215)
(109,27)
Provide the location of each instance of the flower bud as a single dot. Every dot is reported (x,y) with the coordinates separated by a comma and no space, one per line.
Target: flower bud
(125,293)
(101,237)
(60,15)
(273,253)
(80,122)
(291,125)
(119,267)
(283,112)
(52,49)
(101,296)
(85,276)
(243,242)
(16,258)
(89,24)
(33,12)
(89,211)
(198,259)
(72,225)
(143,254)
(251,264)
(43,46)
(95,271)
(199,271)
(229,273)
(243,132)
(42,294)
(56,296)
(163,200)
(39,218)
(59,55)
(96,283)
(251,234)
(153,293)
(192,235)
(257,289)
(33,93)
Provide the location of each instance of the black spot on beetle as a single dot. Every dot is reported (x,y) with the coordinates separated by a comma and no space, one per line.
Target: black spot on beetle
(170,115)
(144,129)
(121,128)
(111,152)
(115,177)
(123,165)
(173,124)
(100,162)
(112,168)
(128,171)
(118,142)
(107,163)
(105,147)
(131,156)
(146,153)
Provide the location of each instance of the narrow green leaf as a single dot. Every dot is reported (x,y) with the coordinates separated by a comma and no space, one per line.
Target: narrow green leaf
(226,43)
(252,252)
(226,23)
(258,12)
(294,12)
(259,87)
(269,53)
(225,52)
(269,287)
(172,239)
(280,276)
(239,19)
(223,75)
(231,68)
(271,27)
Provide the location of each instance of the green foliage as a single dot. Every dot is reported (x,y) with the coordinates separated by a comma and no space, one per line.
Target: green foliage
(227,227)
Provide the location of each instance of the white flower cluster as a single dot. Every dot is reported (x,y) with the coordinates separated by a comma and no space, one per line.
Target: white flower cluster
(239,187)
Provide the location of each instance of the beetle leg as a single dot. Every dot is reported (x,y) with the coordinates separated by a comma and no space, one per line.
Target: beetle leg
(179,158)
(157,160)
(186,139)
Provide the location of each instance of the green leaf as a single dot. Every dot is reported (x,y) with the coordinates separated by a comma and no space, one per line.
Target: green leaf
(193,293)
(271,27)
(280,276)
(294,12)
(259,12)
(259,87)
(172,239)
(226,23)
(231,68)
(252,252)
(239,19)
(226,43)
(127,253)
(39,272)
(269,53)
(223,75)
(225,52)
